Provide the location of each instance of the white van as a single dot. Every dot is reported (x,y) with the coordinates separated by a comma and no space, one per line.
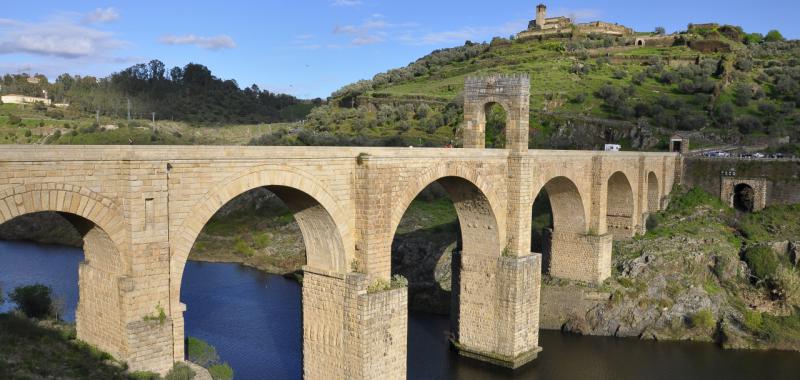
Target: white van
(613,147)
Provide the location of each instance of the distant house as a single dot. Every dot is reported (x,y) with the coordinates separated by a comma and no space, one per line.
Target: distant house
(22,99)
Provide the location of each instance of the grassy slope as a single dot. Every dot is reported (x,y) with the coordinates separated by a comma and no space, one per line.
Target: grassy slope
(49,350)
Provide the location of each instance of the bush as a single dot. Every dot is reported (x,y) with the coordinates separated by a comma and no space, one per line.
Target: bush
(703,319)
(261,241)
(773,36)
(763,262)
(201,353)
(35,301)
(180,371)
(241,247)
(28,133)
(14,119)
(221,371)
(787,285)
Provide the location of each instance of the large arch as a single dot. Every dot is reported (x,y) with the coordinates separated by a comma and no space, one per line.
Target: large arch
(99,316)
(568,224)
(474,292)
(469,178)
(509,91)
(620,204)
(324,226)
(653,193)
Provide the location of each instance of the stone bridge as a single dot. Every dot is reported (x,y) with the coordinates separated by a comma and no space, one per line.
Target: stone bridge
(140,209)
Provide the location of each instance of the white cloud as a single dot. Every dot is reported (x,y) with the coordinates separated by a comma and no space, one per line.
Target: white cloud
(346,3)
(101,15)
(372,31)
(59,37)
(211,43)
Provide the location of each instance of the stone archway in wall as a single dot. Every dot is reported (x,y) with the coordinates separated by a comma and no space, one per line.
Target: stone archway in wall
(620,206)
(744,194)
(326,234)
(99,317)
(482,235)
(495,120)
(512,92)
(568,228)
(653,195)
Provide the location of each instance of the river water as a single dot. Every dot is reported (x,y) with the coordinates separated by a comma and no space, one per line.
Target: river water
(254,321)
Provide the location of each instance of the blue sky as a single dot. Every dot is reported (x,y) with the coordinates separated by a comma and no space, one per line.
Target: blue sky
(310,48)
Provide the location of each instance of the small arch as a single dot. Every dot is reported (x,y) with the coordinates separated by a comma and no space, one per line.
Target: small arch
(744,197)
(640,42)
(494,121)
(653,195)
(620,206)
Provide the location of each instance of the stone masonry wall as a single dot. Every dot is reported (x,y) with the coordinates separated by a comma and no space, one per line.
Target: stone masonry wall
(151,202)
(782,176)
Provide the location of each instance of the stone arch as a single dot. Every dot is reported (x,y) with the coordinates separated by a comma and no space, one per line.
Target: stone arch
(620,206)
(67,199)
(471,189)
(569,215)
(512,92)
(324,225)
(744,197)
(569,225)
(640,42)
(653,193)
(99,316)
(484,121)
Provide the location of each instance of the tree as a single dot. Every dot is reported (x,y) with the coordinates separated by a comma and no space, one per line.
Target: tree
(660,30)
(773,36)
(35,301)
(753,38)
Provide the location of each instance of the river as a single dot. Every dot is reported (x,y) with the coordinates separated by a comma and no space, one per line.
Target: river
(254,321)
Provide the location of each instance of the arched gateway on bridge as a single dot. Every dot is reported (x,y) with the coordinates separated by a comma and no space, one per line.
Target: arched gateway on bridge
(141,208)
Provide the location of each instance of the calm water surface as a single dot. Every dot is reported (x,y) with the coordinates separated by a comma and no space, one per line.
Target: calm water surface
(254,321)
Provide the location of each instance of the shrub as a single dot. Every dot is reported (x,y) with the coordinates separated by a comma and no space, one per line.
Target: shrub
(787,285)
(28,133)
(180,371)
(752,320)
(579,98)
(201,353)
(144,375)
(14,119)
(35,301)
(773,36)
(261,241)
(241,247)
(703,319)
(763,262)
(221,371)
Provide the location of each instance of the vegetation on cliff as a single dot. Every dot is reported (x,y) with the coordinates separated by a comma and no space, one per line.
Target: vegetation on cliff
(704,272)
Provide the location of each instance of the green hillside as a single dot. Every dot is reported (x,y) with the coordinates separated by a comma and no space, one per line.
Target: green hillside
(614,90)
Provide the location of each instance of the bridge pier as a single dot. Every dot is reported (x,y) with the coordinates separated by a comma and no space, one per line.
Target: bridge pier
(581,257)
(350,332)
(498,316)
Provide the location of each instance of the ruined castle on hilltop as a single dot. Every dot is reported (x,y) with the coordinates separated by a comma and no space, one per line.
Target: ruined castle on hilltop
(561,26)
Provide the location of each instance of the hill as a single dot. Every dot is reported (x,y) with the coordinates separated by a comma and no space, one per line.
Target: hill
(716,84)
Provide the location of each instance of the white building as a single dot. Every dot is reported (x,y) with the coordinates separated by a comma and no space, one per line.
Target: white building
(22,99)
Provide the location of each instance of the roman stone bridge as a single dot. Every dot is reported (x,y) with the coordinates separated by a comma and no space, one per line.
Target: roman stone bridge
(140,209)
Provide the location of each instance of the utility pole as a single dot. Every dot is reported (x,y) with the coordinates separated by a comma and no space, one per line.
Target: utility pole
(154,121)
(97,116)
(129,109)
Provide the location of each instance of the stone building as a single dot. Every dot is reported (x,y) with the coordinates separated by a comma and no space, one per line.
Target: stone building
(22,99)
(561,26)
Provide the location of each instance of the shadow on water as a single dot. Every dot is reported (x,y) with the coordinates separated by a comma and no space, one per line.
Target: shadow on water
(254,321)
